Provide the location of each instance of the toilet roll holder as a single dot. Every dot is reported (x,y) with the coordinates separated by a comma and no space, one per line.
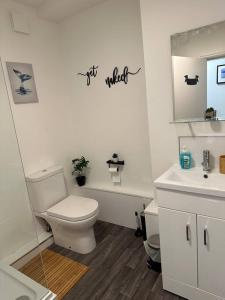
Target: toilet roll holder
(114,168)
(115,163)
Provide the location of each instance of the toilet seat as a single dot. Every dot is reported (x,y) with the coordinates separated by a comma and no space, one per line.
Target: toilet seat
(74,208)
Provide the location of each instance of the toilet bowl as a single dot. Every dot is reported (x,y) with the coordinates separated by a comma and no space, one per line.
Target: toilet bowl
(76,236)
(71,217)
(72,221)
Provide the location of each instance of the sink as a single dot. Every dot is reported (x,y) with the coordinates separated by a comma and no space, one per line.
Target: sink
(193,181)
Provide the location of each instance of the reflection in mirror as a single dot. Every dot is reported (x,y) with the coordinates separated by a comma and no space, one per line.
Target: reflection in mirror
(198,61)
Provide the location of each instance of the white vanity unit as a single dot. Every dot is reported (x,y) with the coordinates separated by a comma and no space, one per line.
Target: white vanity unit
(192,233)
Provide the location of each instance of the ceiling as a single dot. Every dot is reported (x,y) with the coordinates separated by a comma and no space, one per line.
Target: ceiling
(58,10)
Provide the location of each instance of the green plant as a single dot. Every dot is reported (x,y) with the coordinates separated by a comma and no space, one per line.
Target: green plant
(79,164)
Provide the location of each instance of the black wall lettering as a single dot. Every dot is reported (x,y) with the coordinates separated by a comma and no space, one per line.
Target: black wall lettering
(116,77)
(93,71)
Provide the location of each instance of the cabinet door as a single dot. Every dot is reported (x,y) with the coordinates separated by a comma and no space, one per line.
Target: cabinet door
(178,243)
(211,255)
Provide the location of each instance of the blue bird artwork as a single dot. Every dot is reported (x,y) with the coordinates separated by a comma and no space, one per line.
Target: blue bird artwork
(23,77)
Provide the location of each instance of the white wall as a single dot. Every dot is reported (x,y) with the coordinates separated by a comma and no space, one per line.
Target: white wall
(215,144)
(40,127)
(71,119)
(17,234)
(215,92)
(200,42)
(56,130)
(161,19)
(109,120)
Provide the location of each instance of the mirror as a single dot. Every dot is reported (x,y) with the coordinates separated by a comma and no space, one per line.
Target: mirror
(198,62)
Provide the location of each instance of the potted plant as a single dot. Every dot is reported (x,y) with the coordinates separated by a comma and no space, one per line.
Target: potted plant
(115,157)
(79,165)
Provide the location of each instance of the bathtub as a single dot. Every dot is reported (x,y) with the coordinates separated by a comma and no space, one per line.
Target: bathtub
(16,286)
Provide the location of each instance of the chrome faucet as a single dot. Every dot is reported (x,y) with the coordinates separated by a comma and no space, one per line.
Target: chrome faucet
(206,160)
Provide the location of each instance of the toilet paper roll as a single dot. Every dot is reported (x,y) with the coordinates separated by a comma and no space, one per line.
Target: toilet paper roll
(113,170)
(116,178)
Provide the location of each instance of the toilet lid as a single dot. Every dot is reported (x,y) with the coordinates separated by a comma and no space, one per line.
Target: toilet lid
(74,208)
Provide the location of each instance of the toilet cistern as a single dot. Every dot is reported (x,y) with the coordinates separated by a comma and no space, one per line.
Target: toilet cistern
(71,217)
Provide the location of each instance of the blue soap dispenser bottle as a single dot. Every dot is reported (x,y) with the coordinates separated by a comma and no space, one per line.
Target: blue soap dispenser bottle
(185,158)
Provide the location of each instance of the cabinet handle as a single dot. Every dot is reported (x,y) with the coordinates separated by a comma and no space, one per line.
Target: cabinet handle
(187,232)
(205,236)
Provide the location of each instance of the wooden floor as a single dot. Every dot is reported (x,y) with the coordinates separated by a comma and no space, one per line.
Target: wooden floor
(117,268)
(59,272)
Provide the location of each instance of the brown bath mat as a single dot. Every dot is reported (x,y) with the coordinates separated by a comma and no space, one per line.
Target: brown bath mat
(61,273)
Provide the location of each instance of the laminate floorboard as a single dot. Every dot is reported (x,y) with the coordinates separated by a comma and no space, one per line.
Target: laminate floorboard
(118,269)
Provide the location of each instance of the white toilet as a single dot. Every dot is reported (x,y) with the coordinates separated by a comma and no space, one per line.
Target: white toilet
(70,217)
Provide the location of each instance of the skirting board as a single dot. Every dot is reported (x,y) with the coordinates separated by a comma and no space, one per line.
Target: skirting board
(187,291)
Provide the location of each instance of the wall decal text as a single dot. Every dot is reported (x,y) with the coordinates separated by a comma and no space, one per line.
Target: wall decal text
(92,72)
(116,77)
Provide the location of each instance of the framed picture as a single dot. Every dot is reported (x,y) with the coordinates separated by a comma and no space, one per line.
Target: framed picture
(220,74)
(22,82)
